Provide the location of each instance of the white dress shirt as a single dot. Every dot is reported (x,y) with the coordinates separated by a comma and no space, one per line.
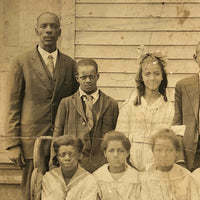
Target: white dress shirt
(45,55)
(95,95)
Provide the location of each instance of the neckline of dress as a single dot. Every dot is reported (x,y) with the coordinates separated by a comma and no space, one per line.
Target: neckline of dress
(157,103)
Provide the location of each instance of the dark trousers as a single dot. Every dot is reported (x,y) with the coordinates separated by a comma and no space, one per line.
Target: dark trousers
(26,178)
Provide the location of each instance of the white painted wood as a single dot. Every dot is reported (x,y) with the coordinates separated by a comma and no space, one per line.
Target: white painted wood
(132,65)
(172,52)
(135,38)
(133,24)
(138,10)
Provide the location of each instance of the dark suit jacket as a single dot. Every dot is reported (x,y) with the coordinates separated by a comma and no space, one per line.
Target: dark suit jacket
(33,100)
(71,120)
(186,112)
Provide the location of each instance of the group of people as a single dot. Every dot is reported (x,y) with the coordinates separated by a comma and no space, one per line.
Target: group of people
(100,152)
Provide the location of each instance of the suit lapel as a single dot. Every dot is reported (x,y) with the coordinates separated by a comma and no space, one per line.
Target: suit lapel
(77,102)
(192,89)
(39,70)
(61,72)
(104,103)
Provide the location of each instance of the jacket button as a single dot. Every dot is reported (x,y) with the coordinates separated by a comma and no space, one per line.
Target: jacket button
(83,123)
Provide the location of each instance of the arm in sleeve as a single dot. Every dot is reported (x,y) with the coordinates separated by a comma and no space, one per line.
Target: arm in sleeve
(75,84)
(60,119)
(123,119)
(177,120)
(59,129)
(115,114)
(16,90)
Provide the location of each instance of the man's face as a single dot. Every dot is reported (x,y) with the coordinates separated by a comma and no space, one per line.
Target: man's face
(87,77)
(48,30)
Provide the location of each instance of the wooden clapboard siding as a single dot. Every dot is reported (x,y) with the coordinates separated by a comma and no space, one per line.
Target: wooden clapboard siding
(111,30)
(173,52)
(137,1)
(132,38)
(138,10)
(127,79)
(131,65)
(122,93)
(138,24)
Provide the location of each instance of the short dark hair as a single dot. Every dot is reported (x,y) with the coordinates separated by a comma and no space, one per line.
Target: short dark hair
(166,134)
(84,62)
(66,140)
(115,135)
(49,13)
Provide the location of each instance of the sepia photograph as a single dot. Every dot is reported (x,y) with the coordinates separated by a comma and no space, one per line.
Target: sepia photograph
(100,100)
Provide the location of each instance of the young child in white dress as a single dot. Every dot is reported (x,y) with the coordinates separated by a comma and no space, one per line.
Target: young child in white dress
(147,110)
(165,180)
(117,180)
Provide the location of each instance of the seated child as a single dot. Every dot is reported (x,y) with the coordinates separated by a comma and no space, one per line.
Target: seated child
(117,179)
(165,180)
(196,176)
(69,181)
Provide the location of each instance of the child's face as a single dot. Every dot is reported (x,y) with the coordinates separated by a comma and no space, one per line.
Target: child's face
(152,76)
(164,153)
(116,154)
(68,157)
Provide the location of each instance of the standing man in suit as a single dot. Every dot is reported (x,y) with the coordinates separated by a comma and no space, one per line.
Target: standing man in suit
(187,103)
(88,114)
(38,80)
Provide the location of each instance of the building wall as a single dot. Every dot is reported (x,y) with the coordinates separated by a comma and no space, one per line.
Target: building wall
(111,30)
(108,31)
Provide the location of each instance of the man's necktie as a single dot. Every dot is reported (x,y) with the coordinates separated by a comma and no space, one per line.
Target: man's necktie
(50,65)
(88,110)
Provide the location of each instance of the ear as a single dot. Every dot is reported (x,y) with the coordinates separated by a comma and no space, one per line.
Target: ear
(98,75)
(36,31)
(128,153)
(77,79)
(105,154)
(81,157)
(59,33)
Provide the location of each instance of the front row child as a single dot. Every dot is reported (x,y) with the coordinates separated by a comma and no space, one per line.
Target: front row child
(69,181)
(116,179)
(165,180)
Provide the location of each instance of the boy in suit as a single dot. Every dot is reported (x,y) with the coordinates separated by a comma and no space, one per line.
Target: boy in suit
(88,114)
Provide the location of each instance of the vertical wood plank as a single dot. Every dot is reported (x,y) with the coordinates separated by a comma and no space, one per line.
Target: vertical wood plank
(68,27)
(1,22)
(11,22)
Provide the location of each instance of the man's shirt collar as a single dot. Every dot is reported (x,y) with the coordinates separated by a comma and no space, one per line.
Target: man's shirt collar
(45,54)
(95,95)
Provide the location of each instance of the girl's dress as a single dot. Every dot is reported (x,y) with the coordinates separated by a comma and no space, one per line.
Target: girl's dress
(176,184)
(127,187)
(139,123)
(196,176)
